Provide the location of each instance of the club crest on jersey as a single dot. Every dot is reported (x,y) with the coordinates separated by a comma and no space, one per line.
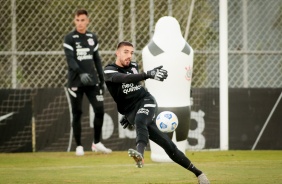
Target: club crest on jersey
(90,41)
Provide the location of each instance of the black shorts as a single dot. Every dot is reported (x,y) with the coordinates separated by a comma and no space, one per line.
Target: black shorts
(147,106)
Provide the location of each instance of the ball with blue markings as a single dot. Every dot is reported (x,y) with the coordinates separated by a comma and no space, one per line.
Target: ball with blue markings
(167,121)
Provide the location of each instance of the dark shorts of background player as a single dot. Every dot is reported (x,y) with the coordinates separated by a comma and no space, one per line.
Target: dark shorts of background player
(94,97)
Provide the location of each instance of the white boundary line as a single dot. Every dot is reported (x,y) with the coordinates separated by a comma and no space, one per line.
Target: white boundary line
(268,118)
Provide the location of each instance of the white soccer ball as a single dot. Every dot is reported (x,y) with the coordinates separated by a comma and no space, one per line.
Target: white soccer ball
(167,121)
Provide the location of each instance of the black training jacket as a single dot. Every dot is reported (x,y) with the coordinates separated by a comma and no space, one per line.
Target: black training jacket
(124,85)
(82,55)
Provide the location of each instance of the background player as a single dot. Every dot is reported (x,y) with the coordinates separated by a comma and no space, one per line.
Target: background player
(85,76)
(139,107)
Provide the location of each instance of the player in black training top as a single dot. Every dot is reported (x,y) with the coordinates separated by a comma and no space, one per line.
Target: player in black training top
(85,75)
(139,107)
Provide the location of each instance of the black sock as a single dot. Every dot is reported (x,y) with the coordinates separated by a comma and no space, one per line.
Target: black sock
(194,170)
(141,148)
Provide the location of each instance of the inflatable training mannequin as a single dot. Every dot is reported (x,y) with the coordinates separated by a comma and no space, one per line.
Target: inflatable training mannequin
(169,48)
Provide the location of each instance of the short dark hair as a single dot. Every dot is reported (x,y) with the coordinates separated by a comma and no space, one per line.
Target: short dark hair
(81,12)
(124,43)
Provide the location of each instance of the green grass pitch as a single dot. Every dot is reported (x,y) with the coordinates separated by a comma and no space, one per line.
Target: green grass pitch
(221,167)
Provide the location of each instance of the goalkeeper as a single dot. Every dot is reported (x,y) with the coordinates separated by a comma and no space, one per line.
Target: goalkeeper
(85,76)
(139,107)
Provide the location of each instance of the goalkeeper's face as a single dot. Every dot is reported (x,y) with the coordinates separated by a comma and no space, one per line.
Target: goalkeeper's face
(124,56)
(81,23)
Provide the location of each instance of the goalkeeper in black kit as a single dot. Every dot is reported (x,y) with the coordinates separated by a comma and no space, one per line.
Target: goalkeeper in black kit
(85,76)
(139,107)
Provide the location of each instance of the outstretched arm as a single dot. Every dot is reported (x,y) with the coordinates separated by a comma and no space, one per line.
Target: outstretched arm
(114,76)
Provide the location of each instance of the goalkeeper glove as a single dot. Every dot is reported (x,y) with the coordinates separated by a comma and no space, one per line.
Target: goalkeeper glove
(157,73)
(85,78)
(126,124)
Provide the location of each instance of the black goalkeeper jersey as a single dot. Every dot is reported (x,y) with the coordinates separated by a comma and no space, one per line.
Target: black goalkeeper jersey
(124,85)
(82,55)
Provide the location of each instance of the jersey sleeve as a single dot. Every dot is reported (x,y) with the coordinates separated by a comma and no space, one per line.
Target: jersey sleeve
(113,75)
(70,53)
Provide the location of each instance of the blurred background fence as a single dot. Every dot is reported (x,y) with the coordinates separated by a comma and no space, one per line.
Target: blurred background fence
(32,32)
